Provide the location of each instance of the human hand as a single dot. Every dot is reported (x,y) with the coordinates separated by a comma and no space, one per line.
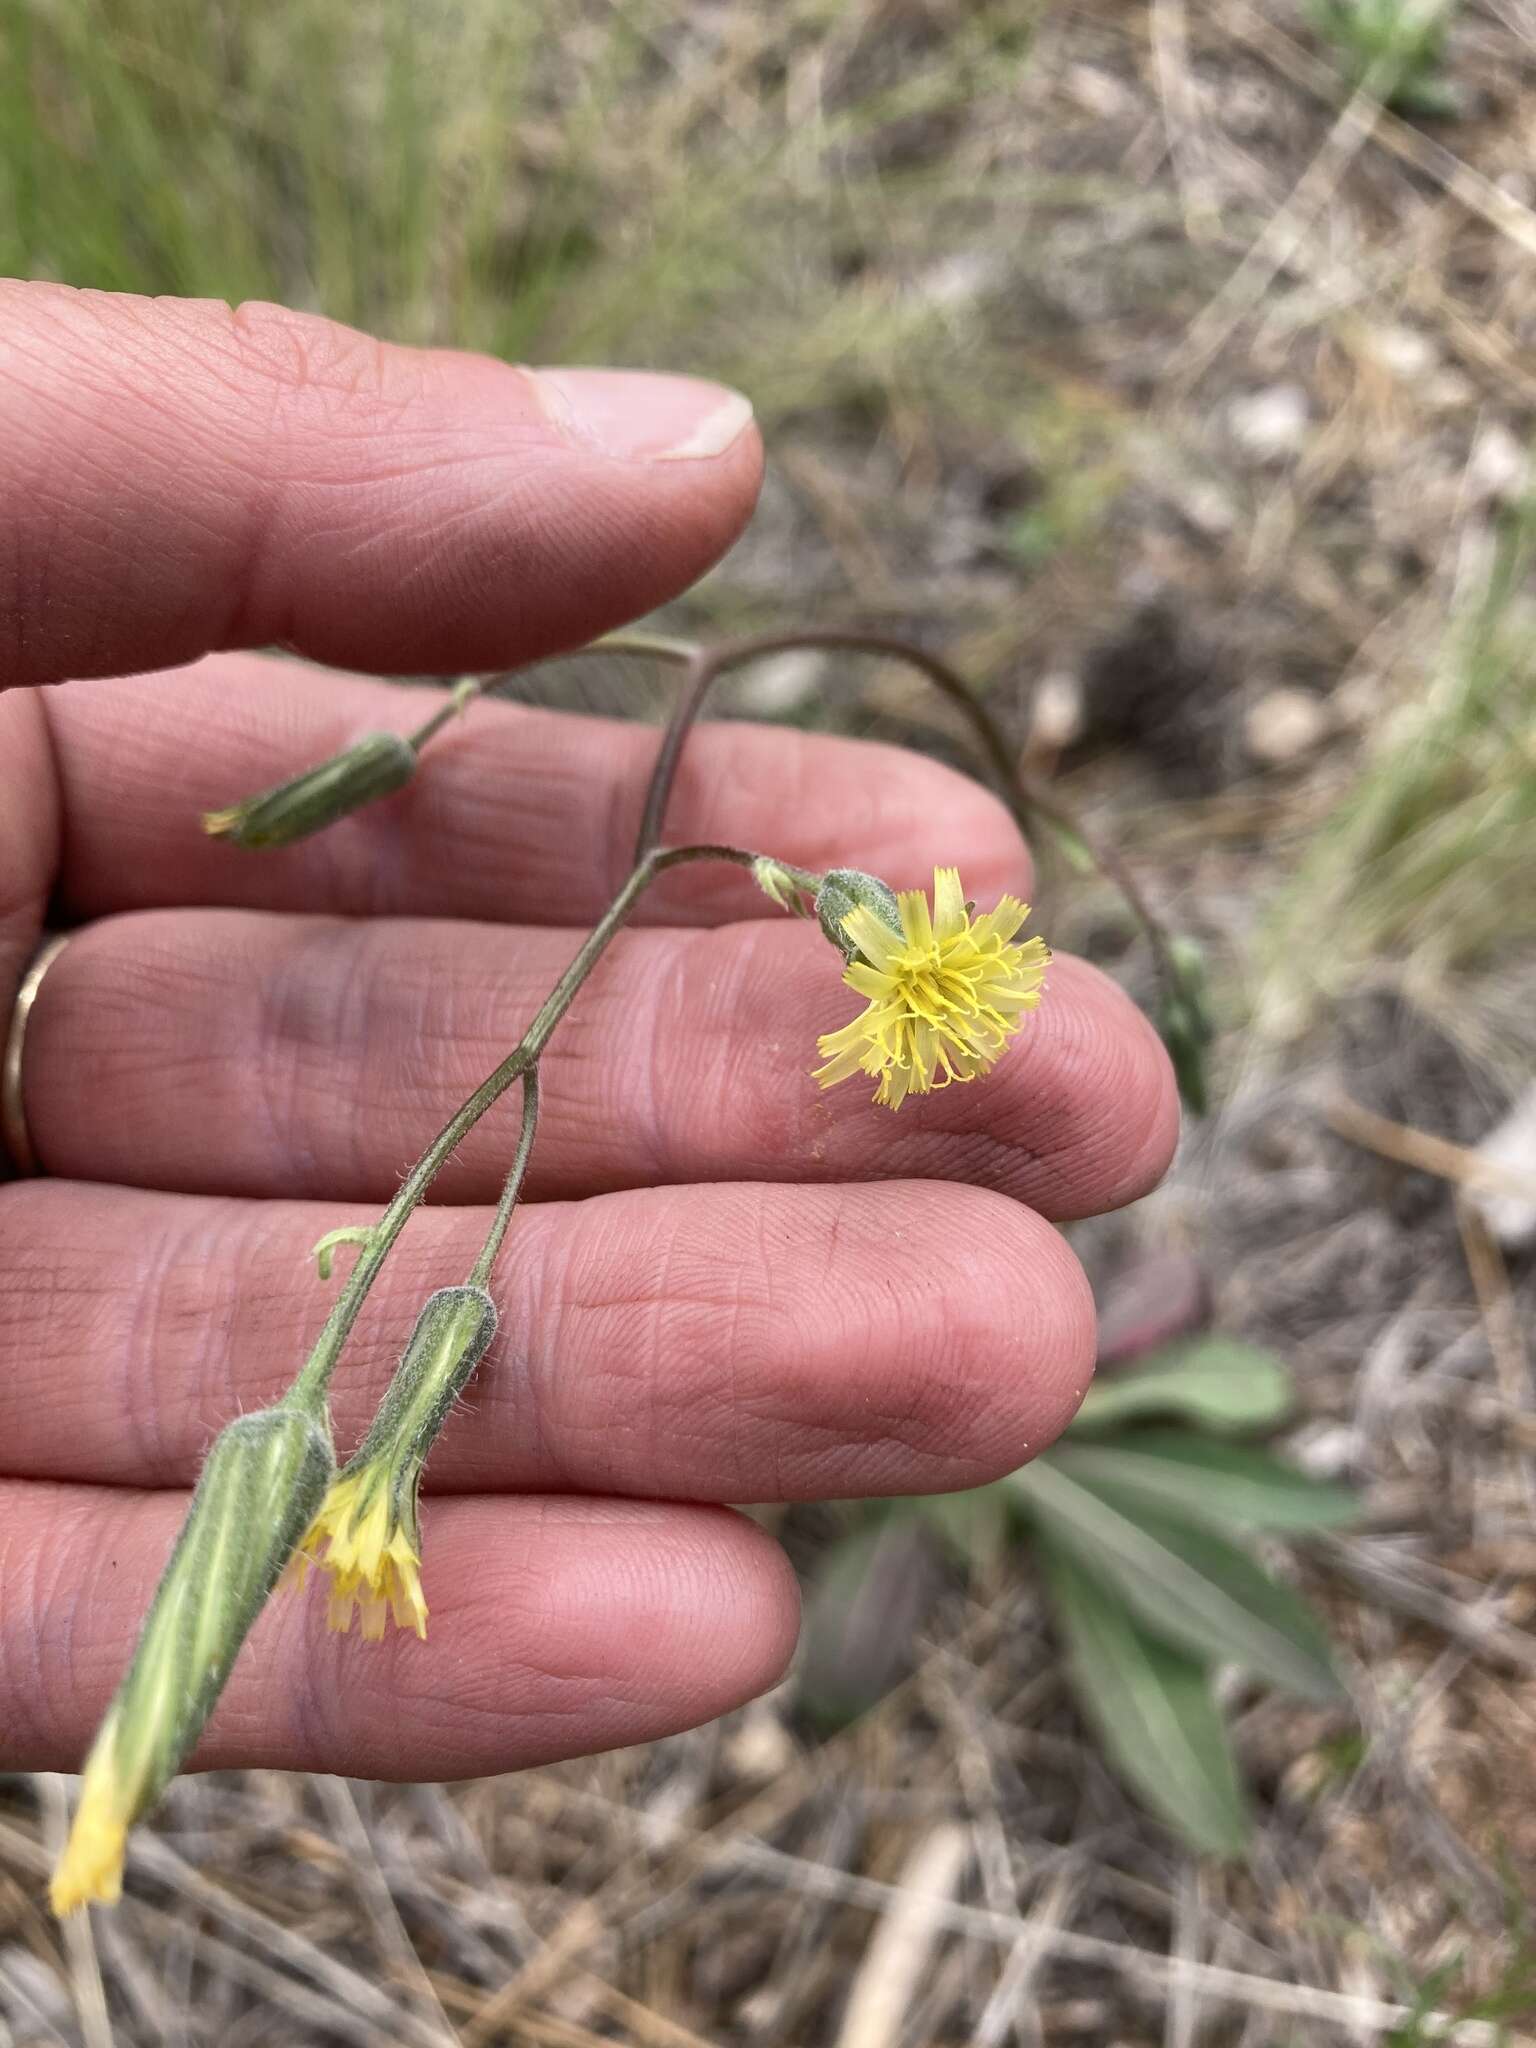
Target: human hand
(725,1286)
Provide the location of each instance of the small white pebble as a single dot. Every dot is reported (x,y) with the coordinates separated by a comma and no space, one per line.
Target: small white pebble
(1056,717)
(1404,351)
(1270,425)
(1499,468)
(1284,725)
(1511,1146)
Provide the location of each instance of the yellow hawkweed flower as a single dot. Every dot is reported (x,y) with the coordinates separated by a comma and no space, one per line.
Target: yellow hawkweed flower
(365,1534)
(946,992)
(361,1540)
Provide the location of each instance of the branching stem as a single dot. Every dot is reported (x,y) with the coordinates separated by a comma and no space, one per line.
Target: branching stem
(704,665)
(513,1185)
(321,1363)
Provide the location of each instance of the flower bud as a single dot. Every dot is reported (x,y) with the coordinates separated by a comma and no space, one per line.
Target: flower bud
(379,763)
(260,1487)
(1185,1024)
(843,890)
(780,883)
(366,1536)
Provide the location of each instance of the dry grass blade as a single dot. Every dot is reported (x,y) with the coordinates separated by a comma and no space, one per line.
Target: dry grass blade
(79,1942)
(1420,1149)
(1283,233)
(353,1836)
(1500,209)
(1161,1973)
(900,1950)
(1012,2003)
(343,1984)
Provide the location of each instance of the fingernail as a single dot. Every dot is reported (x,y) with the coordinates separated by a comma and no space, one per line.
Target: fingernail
(637,417)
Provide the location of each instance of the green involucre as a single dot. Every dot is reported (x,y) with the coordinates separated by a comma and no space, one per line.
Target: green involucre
(260,1487)
(843,890)
(380,763)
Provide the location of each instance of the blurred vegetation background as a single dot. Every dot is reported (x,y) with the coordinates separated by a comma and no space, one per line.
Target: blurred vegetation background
(1170,367)
(642,183)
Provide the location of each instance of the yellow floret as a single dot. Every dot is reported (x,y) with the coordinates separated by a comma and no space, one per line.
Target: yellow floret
(373,1564)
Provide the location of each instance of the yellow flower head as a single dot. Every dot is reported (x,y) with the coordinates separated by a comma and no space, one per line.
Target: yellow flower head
(366,1542)
(365,1534)
(945,993)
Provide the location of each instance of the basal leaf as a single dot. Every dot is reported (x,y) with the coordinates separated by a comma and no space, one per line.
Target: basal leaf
(1151,1707)
(863,1607)
(1187,1584)
(1197,1478)
(1218,1382)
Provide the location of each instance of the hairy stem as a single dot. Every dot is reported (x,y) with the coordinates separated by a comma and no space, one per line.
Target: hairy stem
(513,1185)
(320,1365)
(705,665)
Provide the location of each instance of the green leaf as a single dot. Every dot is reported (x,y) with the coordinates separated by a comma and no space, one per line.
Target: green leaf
(1194,1478)
(1151,1707)
(863,1607)
(1218,1382)
(973,1526)
(1187,1584)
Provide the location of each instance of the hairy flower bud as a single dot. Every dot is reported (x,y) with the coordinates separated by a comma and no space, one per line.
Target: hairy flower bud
(366,1536)
(380,763)
(260,1487)
(844,890)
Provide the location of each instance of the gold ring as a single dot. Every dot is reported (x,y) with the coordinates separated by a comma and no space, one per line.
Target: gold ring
(13,1115)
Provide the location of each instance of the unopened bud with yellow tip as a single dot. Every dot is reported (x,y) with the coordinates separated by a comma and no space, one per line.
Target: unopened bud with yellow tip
(260,1488)
(366,1536)
(379,764)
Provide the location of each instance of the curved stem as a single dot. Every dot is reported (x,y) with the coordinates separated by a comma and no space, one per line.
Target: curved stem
(315,1376)
(513,1185)
(705,665)
(702,667)
(643,646)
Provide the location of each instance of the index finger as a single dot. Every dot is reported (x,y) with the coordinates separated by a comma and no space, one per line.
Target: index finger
(515,814)
(178,476)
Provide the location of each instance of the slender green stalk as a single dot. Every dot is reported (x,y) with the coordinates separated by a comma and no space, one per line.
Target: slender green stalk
(645,646)
(513,1186)
(460,697)
(321,1362)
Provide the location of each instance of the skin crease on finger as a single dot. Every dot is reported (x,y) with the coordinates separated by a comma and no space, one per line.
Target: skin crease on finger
(321,1056)
(172,478)
(558,1626)
(734,1342)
